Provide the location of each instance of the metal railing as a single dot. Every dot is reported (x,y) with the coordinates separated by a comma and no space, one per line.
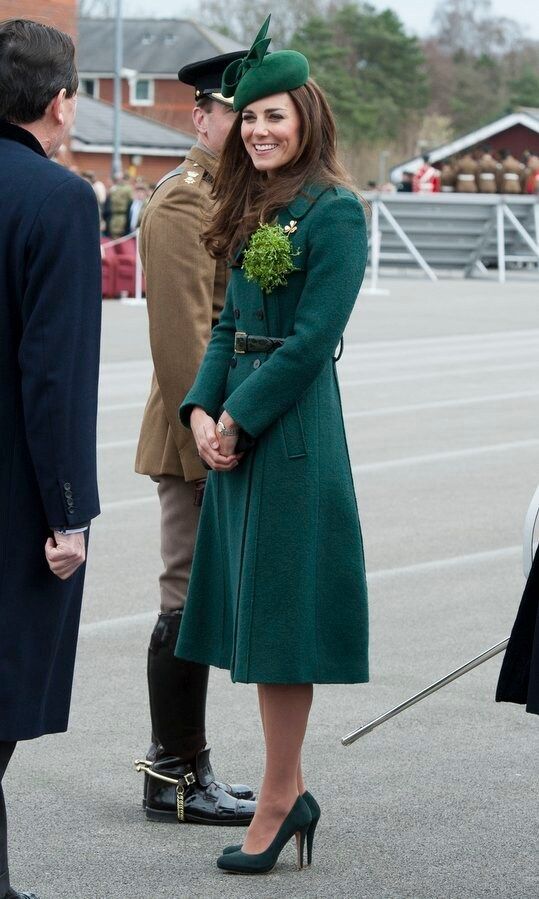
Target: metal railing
(466,232)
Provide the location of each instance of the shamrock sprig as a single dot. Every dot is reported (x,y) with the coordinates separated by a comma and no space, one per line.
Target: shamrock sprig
(269,256)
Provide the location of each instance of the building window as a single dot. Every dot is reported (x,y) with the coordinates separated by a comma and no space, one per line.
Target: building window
(141,92)
(90,87)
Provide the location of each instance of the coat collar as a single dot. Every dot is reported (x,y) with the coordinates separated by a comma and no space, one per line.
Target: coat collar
(21,135)
(307,197)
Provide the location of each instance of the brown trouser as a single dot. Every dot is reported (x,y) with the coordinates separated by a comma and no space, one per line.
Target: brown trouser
(179,522)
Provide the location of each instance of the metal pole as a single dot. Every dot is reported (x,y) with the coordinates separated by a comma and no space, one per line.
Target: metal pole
(500,231)
(407,242)
(138,268)
(473,663)
(118,63)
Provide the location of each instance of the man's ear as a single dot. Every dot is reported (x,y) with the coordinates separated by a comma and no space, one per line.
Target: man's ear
(199,120)
(56,107)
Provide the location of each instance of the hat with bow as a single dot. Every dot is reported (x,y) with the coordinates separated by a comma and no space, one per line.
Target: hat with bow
(260,74)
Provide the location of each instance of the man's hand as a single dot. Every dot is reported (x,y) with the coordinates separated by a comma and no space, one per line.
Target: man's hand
(65,553)
(203,428)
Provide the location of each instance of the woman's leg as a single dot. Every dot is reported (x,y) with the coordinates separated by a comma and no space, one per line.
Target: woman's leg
(301,782)
(6,751)
(285,712)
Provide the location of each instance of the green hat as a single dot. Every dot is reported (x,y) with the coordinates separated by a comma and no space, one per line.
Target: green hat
(260,74)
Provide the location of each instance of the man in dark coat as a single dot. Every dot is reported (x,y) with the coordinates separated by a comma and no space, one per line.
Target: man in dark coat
(519,675)
(50,304)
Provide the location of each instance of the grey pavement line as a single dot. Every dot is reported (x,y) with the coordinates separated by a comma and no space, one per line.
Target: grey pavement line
(490,555)
(93,627)
(429,375)
(449,454)
(438,358)
(118,407)
(118,444)
(126,503)
(494,337)
(442,404)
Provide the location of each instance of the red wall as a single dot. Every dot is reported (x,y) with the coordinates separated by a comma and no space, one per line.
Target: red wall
(173,102)
(61,14)
(516,139)
(151,169)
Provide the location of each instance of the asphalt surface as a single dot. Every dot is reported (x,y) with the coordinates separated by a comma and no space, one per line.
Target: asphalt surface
(440,387)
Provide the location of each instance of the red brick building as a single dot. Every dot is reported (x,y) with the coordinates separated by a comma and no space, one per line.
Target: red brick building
(61,14)
(153,51)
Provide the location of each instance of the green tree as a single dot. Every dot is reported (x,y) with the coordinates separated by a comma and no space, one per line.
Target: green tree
(371,70)
(524,90)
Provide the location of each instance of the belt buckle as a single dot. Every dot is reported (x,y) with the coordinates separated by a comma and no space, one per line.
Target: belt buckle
(240,342)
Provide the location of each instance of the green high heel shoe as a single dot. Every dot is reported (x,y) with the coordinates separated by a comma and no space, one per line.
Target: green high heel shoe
(296,823)
(315,811)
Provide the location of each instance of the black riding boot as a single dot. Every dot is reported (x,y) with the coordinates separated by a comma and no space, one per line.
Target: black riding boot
(179,782)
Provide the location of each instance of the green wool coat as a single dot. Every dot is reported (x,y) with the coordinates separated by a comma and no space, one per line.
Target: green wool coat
(278,591)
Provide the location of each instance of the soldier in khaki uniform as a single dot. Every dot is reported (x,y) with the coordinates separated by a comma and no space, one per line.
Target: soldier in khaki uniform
(488,173)
(466,174)
(512,174)
(185,295)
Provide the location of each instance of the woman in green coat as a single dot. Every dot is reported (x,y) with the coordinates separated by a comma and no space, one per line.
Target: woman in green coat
(278,592)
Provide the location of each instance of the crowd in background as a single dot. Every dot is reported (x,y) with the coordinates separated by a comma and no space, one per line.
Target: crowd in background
(121,205)
(482,170)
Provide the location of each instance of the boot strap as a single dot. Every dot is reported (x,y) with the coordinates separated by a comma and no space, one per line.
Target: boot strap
(181,782)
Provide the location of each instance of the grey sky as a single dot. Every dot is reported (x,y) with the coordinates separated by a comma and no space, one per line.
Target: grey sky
(416,14)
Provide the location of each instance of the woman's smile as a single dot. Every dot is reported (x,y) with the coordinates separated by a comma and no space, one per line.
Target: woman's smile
(270,130)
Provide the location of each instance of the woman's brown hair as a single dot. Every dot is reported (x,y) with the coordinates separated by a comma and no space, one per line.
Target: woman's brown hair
(246,197)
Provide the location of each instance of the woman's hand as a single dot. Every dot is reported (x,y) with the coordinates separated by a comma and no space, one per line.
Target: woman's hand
(227,445)
(208,446)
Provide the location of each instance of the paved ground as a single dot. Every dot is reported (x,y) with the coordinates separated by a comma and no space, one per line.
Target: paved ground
(441,391)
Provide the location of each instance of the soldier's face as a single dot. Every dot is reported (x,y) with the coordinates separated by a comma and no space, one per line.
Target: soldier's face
(271,131)
(217,123)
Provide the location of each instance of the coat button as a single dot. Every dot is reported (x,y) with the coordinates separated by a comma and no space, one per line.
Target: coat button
(67,485)
(259,314)
(237,313)
(256,363)
(233,362)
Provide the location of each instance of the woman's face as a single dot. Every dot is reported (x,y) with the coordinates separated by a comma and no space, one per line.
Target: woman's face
(270,130)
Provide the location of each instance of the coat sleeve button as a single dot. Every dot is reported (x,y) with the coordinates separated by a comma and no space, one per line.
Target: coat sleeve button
(256,363)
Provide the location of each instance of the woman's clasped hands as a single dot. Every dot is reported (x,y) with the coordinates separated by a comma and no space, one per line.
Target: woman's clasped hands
(215,450)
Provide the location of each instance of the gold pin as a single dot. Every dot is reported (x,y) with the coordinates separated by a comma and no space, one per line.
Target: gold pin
(291,228)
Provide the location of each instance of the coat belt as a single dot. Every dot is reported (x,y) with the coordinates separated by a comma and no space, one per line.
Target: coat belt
(250,343)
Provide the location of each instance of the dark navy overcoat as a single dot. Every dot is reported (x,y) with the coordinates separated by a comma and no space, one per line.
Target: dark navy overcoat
(50,312)
(519,675)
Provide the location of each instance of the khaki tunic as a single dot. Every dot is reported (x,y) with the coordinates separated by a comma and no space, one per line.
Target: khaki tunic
(488,174)
(185,295)
(466,173)
(512,175)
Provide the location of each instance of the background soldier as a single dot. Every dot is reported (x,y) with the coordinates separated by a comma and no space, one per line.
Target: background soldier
(512,174)
(447,177)
(466,174)
(426,179)
(185,294)
(488,172)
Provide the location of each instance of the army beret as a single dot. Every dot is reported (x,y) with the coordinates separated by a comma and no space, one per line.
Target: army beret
(205,76)
(260,74)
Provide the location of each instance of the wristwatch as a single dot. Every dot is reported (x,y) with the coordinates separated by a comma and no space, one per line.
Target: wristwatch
(227,432)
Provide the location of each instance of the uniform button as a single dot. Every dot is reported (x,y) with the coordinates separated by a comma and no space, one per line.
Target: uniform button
(256,363)
(237,313)
(67,485)
(233,362)
(259,314)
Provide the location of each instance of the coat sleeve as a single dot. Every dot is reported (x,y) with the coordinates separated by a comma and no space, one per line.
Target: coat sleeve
(180,278)
(59,352)
(337,254)
(208,391)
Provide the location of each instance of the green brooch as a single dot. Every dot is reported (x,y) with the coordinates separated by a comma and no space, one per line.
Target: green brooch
(269,256)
